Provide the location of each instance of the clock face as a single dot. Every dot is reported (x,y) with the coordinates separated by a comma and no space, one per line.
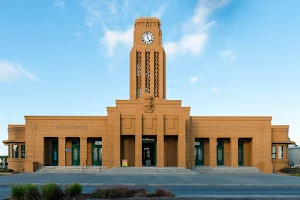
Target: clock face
(147,37)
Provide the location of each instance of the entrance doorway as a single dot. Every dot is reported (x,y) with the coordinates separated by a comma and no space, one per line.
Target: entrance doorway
(97,153)
(199,152)
(75,154)
(220,152)
(171,144)
(149,151)
(51,151)
(54,152)
(241,153)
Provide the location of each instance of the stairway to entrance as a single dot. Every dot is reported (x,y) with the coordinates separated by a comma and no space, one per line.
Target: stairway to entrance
(71,169)
(227,169)
(149,170)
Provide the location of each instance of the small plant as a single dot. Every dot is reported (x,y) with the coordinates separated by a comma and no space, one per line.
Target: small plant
(25,192)
(131,193)
(18,191)
(120,192)
(73,190)
(163,193)
(52,191)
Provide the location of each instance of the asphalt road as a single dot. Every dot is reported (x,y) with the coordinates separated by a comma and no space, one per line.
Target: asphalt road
(183,185)
(282,192)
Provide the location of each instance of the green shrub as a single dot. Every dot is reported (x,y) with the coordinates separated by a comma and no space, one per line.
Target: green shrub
(73,190)
(52,191)
(17,191)
(6,170)
(25,192)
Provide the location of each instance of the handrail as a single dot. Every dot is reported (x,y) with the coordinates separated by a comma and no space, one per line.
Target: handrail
(85,162)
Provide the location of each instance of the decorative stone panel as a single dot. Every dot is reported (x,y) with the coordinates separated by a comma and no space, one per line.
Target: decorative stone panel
(150,125)
(171,125)
(127,125)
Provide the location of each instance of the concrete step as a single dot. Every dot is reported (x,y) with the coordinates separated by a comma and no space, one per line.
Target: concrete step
(227,169)
(71,169)
(149,170)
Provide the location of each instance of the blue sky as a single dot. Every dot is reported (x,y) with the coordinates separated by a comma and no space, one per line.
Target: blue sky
(224,58)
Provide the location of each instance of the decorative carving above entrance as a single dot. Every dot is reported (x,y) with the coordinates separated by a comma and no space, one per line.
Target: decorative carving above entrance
(262,126)
(148,104)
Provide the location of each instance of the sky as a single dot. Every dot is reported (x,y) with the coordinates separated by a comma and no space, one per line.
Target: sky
(224,57)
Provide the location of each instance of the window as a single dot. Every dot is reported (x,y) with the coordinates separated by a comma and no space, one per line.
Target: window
(8,151)
(23,151)
(280,152)
(273,152)
(15,149)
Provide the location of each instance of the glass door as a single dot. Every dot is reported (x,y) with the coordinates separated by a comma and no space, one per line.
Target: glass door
(220,153)
(54,152)
(199,153)
(241,154)
(97,155)
(75,154)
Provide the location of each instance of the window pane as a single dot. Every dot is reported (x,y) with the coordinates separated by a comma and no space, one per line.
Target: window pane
(100,153)
(9,151)
(22,151)
(55,155)
(280,152)
(220,154)
(95,155)
(273,149)
(75,154)
(200,154)
(273,152)
(15,151)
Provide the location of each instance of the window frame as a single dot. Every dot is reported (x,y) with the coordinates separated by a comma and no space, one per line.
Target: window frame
(274,152)
(8,155)
(23,151)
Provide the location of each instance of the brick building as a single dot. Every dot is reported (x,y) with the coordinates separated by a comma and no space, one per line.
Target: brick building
(147,129)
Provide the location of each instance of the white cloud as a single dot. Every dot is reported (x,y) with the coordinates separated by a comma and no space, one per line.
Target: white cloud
(229,56)
(106,13)
(113,38)
(196,29)
(77,34)
(9,71)
(103,12)
(59,3)
(215,89)
(160,11)
(194,79)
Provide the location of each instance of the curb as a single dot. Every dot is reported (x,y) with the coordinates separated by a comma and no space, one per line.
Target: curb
(163,185)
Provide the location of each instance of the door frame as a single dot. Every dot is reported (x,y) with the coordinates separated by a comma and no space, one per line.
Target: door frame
(199,145)
(54,146)
(241,147)
(99,161)
(76,146)
(222,147)
(154,149)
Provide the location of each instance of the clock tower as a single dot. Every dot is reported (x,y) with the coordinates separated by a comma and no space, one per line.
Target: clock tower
(147,61)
